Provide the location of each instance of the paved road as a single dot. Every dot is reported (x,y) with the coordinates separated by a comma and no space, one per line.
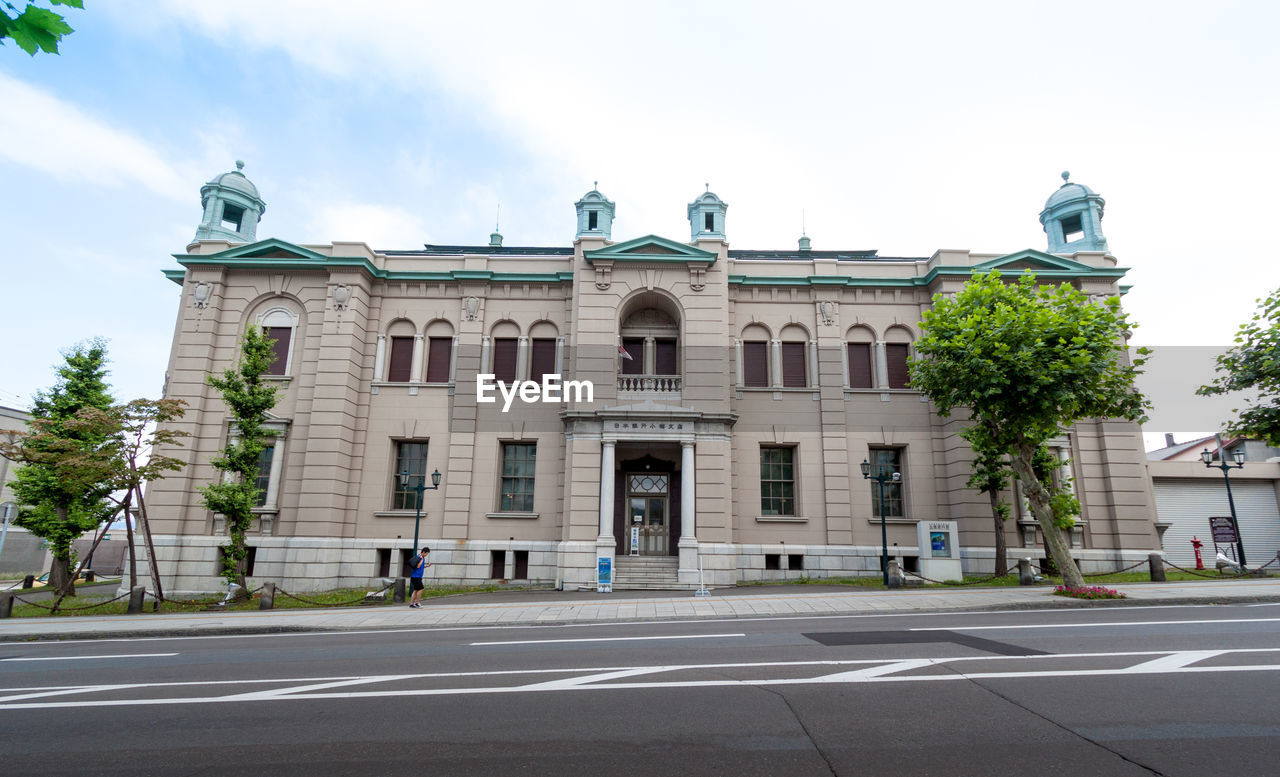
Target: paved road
(1132,691)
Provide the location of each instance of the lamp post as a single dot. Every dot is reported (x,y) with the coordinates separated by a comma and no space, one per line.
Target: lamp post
(1207,457)
(881,475)
(421,487)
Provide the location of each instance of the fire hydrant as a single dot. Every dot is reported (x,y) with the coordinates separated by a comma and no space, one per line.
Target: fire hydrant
(1196,543)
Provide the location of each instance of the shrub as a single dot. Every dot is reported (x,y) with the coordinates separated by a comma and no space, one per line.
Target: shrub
(1088,592)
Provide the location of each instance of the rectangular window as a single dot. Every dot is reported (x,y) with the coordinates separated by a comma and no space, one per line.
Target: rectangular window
(522,565)
(592,219)
(777,481)
(504,359)
(895,356)
(709,222)
(793,365)
(280,348)
(887,461)
(544,358)
(860,374)
(497,565)
(439,357)
(755,363)
(665,357)
(411,458)
(634,346)
(263,480)
(1072,228)
(401,360)
(518,463)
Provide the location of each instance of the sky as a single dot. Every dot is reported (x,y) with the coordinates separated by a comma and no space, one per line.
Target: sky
(902,127)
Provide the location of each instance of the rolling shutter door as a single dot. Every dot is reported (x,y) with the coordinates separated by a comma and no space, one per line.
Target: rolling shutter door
(1188,505)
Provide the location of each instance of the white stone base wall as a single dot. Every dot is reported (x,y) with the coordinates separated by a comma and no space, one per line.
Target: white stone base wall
(299,564)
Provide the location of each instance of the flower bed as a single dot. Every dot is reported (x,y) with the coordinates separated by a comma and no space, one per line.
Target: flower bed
(1088,592)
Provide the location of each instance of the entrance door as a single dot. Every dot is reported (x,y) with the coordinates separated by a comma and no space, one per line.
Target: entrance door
(648,519)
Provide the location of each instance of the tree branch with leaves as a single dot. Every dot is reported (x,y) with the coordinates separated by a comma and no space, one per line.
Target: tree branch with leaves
(248,399)
(34,28)
(1254,363)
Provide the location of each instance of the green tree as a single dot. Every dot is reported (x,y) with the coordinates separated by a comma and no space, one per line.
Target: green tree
(34,28)
(1254,363)
(1028,361)
(248,399)
(66,477)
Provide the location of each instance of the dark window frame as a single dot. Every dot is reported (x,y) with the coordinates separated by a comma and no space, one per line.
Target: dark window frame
(404,496)
(755,361)
(891,459)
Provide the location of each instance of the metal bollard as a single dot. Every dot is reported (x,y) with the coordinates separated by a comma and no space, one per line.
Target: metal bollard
(268,599)
(136,597)
(397,595)
(1155,562)
(1025,575)
(29,581)
(895,574)
(6,605)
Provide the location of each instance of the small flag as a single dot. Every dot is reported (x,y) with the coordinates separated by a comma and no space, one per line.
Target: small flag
(623,353)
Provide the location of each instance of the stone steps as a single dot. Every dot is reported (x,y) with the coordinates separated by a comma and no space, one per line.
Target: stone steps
(647,573)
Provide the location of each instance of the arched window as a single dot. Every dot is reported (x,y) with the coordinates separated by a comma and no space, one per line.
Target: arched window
(279,324)
(542,344)
(400,336)
(755,356)
(439,352)
(897,349)
(794,355)
(859,343)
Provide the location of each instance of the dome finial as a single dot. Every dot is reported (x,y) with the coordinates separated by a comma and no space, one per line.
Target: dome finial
(1066,177)
(239,164)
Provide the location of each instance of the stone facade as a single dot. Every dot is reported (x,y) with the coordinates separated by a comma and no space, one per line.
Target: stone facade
(737,357)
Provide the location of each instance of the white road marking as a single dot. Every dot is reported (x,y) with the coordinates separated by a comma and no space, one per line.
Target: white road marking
(1092,625)
(597,678)
(84,658)
(603,639)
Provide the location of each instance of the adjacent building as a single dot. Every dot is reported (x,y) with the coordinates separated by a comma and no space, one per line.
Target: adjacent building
(734,395)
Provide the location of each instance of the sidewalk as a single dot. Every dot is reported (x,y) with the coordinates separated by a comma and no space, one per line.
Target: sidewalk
(561,607)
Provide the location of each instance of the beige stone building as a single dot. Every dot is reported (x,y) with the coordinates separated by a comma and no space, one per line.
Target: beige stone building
(728,438)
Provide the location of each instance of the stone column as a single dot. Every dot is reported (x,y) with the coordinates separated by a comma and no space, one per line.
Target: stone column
(415,369)
(687,572)
(380,358)
(560,356)
(277,467)
(882,366)
(775,363)
(486,366)
(737,360)
(813,363)
(605,543)
(522,358)
(453,360)
(606,489)
(649,365)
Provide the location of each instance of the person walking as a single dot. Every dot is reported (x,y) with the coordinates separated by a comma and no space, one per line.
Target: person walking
(419,565)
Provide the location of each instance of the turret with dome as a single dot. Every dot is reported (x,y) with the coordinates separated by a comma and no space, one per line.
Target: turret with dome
(232,208)
(1072,218)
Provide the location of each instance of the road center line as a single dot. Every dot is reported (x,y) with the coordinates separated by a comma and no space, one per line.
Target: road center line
(85,658)
(604,639)
(1092,625)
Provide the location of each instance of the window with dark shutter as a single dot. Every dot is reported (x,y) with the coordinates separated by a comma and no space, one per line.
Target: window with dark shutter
(635,347)
(755,363)
(665,358)
(439,355)
(401,361)
(895,356)
(280,348)
(860,374)
(793,372)
(544,358)
(504,359)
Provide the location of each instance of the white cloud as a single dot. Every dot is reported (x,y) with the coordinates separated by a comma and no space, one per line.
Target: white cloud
(381,226)
(40,131)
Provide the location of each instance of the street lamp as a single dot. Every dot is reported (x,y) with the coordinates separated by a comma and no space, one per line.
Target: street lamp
(881,475)
(421,487)
(1238,454)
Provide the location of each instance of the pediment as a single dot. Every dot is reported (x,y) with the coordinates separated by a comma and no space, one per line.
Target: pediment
(650,249)
(1031,260)
(272,248)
